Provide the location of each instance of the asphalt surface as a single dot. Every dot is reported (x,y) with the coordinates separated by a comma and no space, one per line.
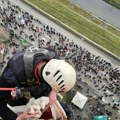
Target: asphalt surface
(71,37)
(100,9)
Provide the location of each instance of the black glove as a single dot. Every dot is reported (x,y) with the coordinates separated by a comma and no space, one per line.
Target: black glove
(38,91)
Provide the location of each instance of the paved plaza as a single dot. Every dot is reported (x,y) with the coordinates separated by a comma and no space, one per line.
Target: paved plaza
(94,68)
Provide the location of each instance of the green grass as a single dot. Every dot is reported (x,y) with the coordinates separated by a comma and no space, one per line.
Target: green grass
(89,26)
(68,96)
(115,3)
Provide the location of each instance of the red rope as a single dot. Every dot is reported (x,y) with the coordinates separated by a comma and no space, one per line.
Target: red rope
(7,89)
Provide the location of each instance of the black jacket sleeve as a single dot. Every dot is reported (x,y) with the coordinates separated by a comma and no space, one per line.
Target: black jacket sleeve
(5,112)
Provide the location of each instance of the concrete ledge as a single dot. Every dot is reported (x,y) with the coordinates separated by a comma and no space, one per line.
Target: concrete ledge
(72,31)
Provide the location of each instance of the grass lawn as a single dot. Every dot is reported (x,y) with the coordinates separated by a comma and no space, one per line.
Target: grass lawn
(115,3)
(97,31)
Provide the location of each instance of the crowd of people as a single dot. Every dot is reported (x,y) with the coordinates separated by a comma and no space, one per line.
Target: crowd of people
(90,68)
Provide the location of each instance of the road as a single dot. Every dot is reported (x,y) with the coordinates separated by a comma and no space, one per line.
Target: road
(100,9)
(64,32)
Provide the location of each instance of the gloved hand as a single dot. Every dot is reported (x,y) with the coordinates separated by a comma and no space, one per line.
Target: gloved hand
(18,93)
(26,115)
(37,105)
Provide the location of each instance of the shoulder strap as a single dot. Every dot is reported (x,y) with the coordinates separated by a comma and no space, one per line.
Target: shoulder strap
(29,58)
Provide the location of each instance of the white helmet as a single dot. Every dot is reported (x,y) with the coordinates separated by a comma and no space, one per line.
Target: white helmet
(60,75)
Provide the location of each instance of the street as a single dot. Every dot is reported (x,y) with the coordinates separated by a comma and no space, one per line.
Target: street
(100,9)
(84,78)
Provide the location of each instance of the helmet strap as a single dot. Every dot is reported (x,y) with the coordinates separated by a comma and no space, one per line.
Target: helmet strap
(52,97)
